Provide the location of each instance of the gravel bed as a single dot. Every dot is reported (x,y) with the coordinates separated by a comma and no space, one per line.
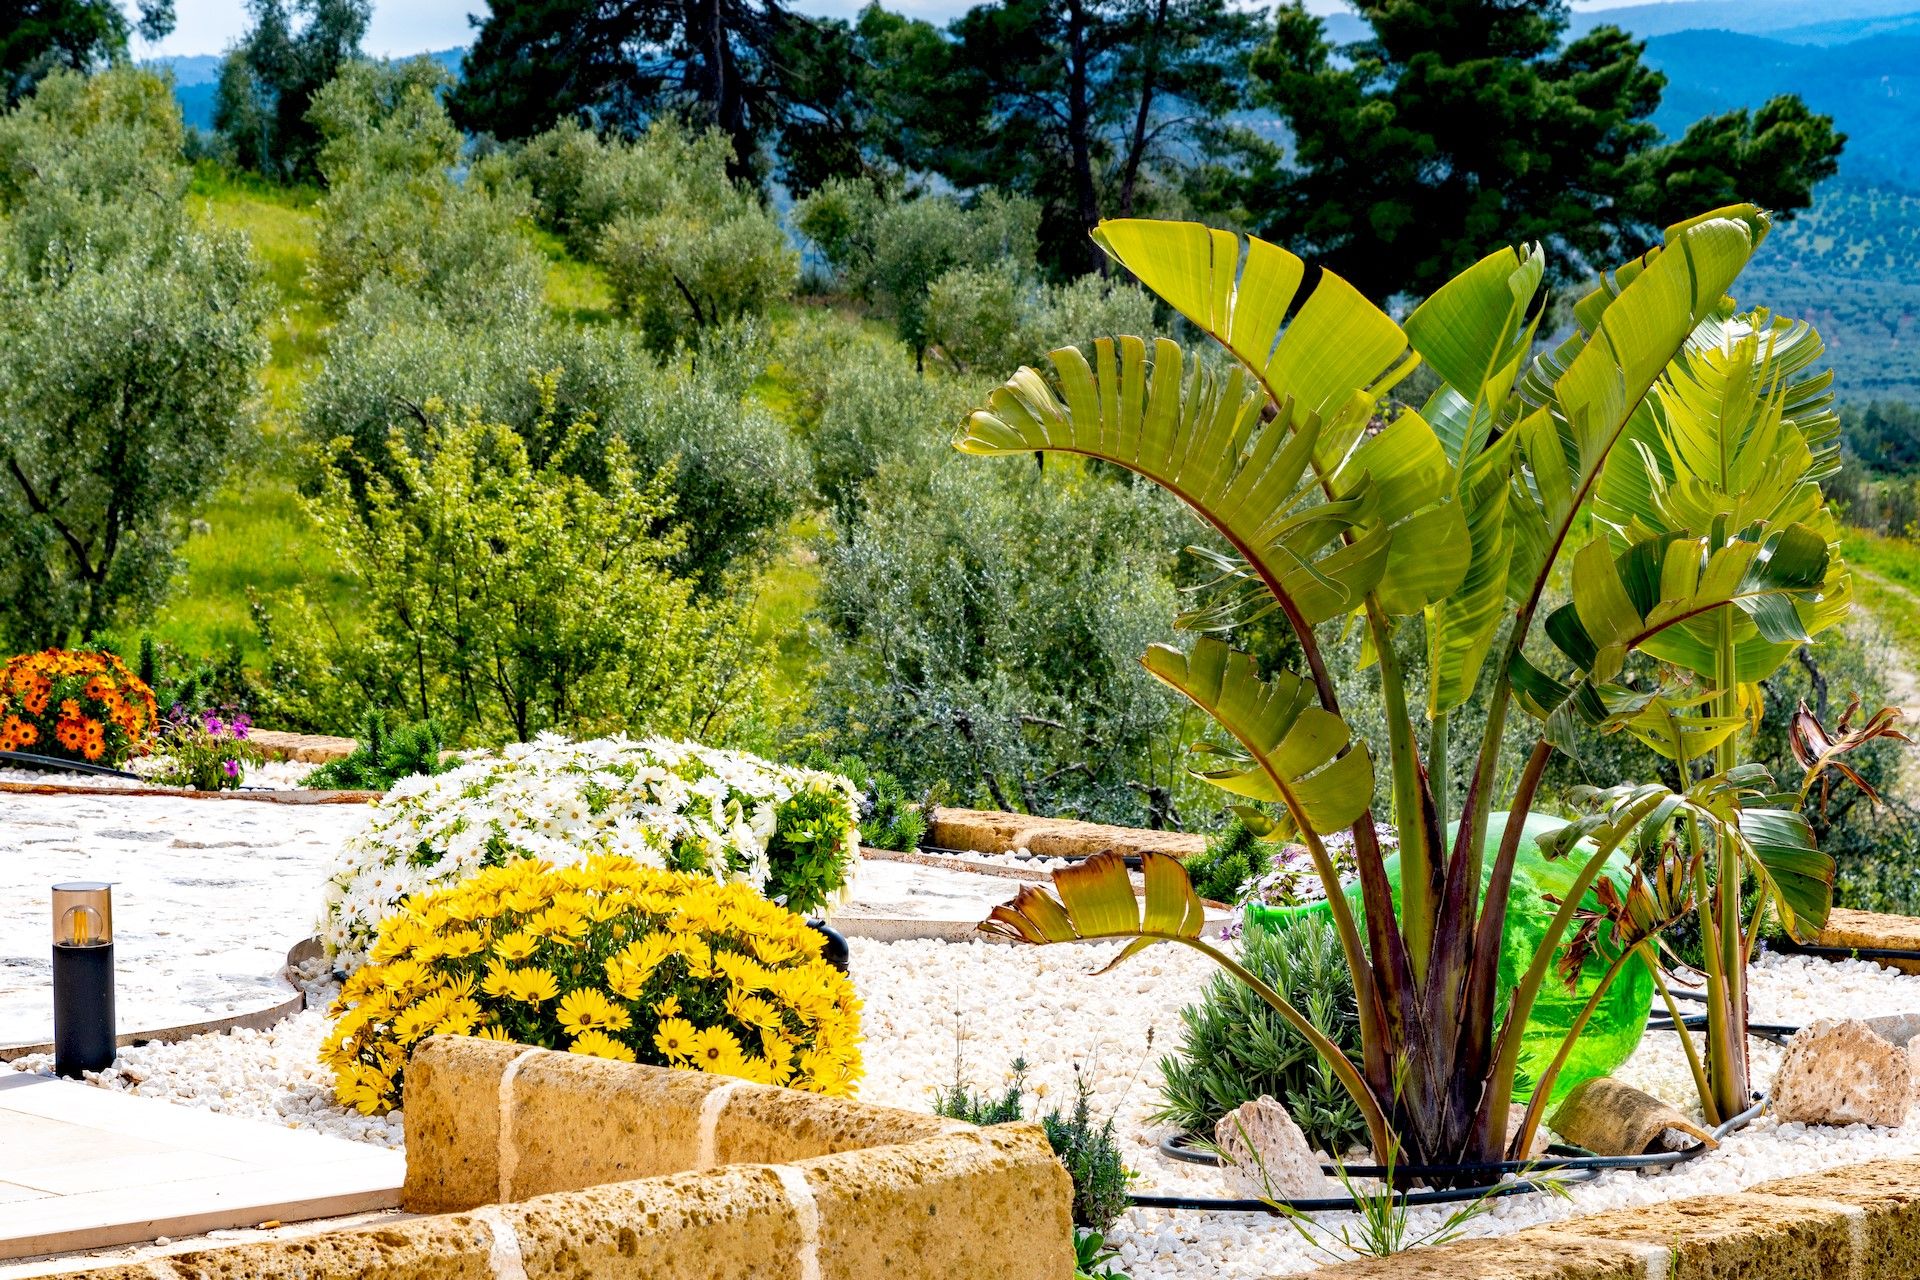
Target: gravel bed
(937,1011)
(274,775)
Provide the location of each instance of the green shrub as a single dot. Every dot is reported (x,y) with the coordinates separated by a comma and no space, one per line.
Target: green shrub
(890,818)
(504,598)
(1228,862)
(382,756)
(970,639)
(1087,1147)
(395,211)
(737,476)
(1235,1048)
(998,317)
(130,349)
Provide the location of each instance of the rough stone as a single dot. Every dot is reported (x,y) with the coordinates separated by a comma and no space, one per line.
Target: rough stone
(310,748)
(1266,1156)
(1840,1072)
(990,1202)
(760,1125)
(1743,1237)
(730,1223)
(449,1248)
(1539,1254)
(452,1116)
(1887,1195)
(1848,928)
(987,831)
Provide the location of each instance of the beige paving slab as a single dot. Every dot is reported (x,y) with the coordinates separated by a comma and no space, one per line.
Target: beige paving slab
(84,1168)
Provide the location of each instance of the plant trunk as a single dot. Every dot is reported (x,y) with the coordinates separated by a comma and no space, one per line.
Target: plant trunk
(1080,132)
(1149,81)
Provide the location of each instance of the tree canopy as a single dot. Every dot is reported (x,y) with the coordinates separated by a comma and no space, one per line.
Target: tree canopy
(1464,123)
(270,78)
(38,36)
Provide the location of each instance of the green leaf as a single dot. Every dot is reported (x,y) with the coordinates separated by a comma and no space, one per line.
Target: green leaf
(1801,876)
(1295,753)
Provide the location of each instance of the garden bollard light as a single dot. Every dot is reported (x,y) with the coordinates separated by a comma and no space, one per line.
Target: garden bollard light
(83,1020)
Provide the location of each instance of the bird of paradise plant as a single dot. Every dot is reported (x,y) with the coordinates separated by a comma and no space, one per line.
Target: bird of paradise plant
(1454,518)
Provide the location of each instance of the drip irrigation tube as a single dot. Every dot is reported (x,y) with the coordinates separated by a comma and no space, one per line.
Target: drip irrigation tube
(1578,1166)
(1844,953)
(55,765)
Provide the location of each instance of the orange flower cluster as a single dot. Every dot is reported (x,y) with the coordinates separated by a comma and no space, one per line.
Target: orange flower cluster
(86,706)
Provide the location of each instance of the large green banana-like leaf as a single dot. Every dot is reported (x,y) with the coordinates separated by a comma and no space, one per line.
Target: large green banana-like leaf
(1665,596)
(1333,362)
(1476,332)
(1738,428)
(1800,875)
(1461,628)
(1097,901)
(1337,358)
(1201,435)
(1294,753)
(1587,389)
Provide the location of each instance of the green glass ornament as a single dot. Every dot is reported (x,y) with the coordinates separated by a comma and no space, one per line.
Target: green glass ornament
(1613,1032)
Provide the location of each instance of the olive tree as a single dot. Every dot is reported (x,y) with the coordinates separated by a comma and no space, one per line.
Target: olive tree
(129,349)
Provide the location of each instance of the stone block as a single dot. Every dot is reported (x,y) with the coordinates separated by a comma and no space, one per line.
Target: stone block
(452,1114)
(1887,1192)
(1838,1071)
(723,1224)
(1538,1254)
(582,1122)
(993,1202)
(1730,1237)
(760,1125)
(989,831)
(457,1247)
(1848,928)
(311,748)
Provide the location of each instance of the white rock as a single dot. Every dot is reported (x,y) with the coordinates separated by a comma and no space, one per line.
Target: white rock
(1266,1156)
(1838,1071)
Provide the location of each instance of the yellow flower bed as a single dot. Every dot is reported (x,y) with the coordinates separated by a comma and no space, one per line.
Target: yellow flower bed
(604,957)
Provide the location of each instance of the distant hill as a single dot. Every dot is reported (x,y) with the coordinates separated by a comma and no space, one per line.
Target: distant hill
(1854,18)
(195,78)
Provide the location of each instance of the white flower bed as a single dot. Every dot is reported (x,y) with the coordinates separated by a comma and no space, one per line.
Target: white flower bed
(662,803)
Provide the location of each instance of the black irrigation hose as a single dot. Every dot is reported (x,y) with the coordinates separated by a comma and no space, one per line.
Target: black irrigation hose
(53,764)
(1844,953)
(1584,1168)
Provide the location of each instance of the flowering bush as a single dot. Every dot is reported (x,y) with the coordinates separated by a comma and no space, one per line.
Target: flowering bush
(80,706)
(789,833)
(607,958)
(204,750)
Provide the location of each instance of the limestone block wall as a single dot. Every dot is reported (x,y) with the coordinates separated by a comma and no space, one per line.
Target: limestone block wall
(986,831)
(536,1165)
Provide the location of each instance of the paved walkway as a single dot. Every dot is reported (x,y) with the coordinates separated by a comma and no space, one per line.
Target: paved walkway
(87,1168)
(207,898)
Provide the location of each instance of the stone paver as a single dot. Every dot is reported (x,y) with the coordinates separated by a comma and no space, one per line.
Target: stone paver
(207,898)
(86,1168)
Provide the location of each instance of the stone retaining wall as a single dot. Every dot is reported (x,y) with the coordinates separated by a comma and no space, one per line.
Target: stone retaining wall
(536,1165)
(312,748)
(1870,929)
(986,831)
(1861,1222)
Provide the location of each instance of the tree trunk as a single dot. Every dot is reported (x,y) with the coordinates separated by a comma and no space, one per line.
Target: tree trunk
(1080,130)
(717,83)
(1149,79)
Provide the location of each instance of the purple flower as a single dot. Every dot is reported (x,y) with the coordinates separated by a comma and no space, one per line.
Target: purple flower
(232,768)
(214,724)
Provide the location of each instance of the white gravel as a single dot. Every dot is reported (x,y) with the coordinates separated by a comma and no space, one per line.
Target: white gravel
(934,1010)
(273,775)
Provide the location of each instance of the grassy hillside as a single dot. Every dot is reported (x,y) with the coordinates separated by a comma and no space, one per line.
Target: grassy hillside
(254,540)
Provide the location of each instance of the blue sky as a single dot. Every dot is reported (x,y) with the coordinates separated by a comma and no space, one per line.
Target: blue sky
(414,26)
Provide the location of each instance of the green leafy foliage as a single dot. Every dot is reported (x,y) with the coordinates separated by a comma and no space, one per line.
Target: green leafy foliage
(1234,1048)
(735,474)
(77,35)
(129,352)
(1231,858)
(505,597)
(972,636)
(394,209)
(1086,1146)
(383,755)
(685,247)
(271,76)
(890,818)
(1368,202)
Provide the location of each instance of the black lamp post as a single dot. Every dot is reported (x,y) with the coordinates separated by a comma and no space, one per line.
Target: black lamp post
(83,1021)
